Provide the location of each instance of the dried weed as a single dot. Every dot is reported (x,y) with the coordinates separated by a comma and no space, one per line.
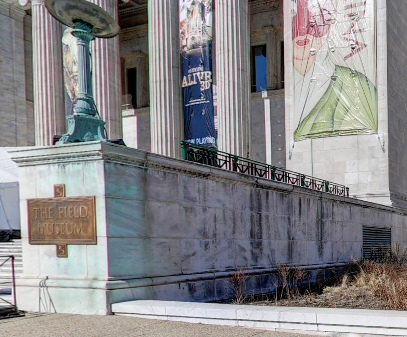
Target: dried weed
(380,283)
(238,282)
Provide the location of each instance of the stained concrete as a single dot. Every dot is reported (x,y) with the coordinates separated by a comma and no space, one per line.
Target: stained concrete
(170,229)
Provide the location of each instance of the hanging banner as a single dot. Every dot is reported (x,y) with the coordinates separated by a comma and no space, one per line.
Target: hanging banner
(334,59)
(195,22)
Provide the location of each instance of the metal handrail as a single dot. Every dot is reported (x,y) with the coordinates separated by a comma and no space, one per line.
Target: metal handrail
(13,280)
(213,157)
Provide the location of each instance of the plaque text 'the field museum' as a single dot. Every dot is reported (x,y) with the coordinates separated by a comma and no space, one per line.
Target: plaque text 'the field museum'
(66,220)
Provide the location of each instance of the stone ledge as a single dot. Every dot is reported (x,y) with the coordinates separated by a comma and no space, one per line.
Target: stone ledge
(90,151)
(112,283)
(276,318)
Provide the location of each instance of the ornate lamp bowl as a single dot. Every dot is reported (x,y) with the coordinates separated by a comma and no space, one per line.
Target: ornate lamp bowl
(70,11)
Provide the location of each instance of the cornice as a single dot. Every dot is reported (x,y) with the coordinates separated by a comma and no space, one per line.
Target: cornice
(135,55)
(112,153)
(132,32)
(26,4)
(17,13)
(127,10)
(262,6)
(12,9)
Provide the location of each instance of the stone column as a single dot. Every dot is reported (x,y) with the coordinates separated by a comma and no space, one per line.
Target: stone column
(233,76)
(272,59)
(49,110)
(165,91)
(14,115)
(106,74)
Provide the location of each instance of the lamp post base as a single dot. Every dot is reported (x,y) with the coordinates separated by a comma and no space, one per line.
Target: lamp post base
(83,128)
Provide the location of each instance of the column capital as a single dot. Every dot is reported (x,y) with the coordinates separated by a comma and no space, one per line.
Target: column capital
(26,4)
(17,13)
(18,3)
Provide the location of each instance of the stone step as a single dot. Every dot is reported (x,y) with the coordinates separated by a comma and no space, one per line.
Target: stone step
(14,242)
(10,252)
(7,278)
(8,275)
(17,263)
(11,246)
(7,270)
(17,257)
(6,249)
(7,252)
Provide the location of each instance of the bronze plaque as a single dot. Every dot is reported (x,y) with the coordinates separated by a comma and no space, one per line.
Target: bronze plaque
(62,250)
(59,190)
(62,221)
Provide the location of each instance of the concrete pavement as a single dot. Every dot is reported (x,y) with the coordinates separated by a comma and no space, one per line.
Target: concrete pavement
(66,325)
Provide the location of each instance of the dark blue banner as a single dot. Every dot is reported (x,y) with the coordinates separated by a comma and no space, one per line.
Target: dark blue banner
(196,71)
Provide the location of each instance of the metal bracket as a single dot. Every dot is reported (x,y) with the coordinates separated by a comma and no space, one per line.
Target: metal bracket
(59,192)
(62,250)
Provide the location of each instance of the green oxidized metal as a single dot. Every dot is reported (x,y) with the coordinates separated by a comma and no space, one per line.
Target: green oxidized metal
(85,102)
(87,20)
(83,125)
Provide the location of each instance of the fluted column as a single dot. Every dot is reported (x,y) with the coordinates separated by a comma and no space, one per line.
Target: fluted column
(49,109)
(106,75)
(232,76)
(165,91)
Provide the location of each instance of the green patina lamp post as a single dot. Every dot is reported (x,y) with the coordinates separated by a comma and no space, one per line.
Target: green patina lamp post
(88,21)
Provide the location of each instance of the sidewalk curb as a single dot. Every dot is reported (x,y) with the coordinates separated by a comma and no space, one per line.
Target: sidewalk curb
(317,320)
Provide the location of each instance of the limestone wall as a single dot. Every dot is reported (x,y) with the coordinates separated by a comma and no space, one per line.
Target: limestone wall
(173,230)
(267,125)
(396,74)
(190,226)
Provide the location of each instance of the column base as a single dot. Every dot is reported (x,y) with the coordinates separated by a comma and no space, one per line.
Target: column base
(83,128)
(62,296)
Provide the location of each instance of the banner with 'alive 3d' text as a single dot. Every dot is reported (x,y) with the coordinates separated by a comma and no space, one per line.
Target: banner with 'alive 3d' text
(195,20)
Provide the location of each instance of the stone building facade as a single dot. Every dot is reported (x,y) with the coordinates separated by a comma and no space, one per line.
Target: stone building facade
(137,88)
(16,101)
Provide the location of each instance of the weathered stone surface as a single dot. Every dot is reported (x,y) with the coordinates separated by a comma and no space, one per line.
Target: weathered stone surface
(17,127)
(169,229)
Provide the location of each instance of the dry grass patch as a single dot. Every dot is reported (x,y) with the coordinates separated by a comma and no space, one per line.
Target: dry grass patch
(367,285)
(386,281)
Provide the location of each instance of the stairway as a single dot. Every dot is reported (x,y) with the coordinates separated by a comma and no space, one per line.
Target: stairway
(6,249)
